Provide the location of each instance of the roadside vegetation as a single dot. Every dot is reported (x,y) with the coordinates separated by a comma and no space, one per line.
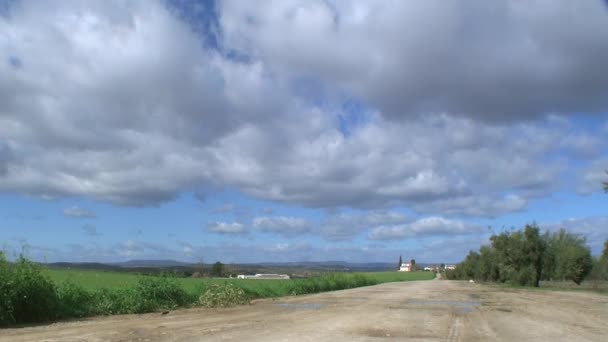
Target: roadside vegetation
(527,258)
(30,293)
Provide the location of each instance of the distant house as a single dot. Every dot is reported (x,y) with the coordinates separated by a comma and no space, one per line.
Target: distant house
(429,268)
(450,267)
(405,267)
(263,276)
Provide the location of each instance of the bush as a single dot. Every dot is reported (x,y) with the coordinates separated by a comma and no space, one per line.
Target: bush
(160,293)
(26,295)
(117,301)
(6,306)
(75,301)
(223,295)
(330,282)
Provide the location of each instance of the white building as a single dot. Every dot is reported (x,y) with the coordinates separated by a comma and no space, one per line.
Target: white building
(405,267)
(450,267)
(263,276)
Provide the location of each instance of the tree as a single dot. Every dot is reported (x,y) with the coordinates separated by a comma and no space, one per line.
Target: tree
(605,184)
(600,268)
(534,248)
(412,265)
(400,262)
(567,257)
(217,270)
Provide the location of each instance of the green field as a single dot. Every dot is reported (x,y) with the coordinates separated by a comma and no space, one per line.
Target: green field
(30,293)
(95,280)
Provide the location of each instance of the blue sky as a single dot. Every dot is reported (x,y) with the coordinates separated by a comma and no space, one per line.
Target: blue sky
(298,130)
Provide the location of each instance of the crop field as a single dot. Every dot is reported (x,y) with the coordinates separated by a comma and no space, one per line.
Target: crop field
(30,293)
(95,280)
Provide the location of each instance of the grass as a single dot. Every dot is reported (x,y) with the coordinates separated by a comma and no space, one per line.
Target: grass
(600,287)
(96,280)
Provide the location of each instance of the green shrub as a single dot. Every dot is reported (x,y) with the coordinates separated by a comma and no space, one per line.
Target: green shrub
(223,295)
(160,293)
(75,301)
(26,295)
(329,282)
(115,301)
(6,285)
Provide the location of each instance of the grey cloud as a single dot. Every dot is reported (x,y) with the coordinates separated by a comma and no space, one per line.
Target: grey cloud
(226,228)
(340,226)
(494,61)
(113,115)
(114,103)
(77,212)
(426,163)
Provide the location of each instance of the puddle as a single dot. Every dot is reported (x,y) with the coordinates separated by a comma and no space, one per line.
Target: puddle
(459,306)
(302,306)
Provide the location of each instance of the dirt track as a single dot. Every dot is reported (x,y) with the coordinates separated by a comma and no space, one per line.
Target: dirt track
(412,311)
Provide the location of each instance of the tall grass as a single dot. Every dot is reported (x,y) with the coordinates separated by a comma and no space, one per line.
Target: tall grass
(25,294)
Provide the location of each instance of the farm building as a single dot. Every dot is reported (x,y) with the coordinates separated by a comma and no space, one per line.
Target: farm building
(263,276)
(405,267)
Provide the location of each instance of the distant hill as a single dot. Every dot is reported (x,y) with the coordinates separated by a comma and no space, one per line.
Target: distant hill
(186,268)
(152,263)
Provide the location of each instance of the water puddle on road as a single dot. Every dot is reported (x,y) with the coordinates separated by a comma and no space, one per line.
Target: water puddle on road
(462,307)
(299,306)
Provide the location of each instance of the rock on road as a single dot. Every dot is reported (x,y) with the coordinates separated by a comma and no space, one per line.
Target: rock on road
(412,311)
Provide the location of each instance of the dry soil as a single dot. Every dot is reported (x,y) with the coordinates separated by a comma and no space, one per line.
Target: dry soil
(414,311)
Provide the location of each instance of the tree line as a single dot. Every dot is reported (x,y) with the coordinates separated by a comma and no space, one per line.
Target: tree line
(526,257)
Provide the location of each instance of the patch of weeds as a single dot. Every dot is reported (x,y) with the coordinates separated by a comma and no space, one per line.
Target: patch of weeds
(223,295)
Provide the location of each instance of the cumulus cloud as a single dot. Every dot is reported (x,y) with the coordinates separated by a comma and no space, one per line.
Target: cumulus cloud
(131,106)
(77,212)
(282,225)
(226,228)
(493,61)
(423,227)
(343,226)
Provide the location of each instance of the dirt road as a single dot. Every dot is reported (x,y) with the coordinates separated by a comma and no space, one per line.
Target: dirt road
(412,311)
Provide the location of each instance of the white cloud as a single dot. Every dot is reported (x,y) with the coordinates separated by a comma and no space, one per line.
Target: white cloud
(287,226)
(428,226)
(130,107)
(226,228)
(78,212)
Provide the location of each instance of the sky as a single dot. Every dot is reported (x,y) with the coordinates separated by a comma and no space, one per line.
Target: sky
(284,131)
